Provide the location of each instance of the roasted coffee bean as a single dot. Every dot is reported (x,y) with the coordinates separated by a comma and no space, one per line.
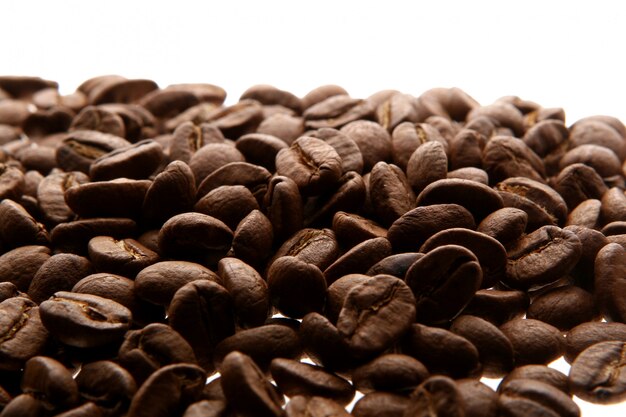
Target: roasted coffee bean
(427,164)
(74,236)
(442,351)
(50,381)
(159,282)
(156,345)
(323,343)
(107,385)
(539,194)
(443,282)
(592,241)
(262,344)
(84,320)
(284,206)
(51,195)
(88,409)
(297,378)
(352,229)
(8,290)
(577,183)
(82,147)
(391,373)
(376,314)
(494,348)
(19,266)
(195,236)
(564,307)
(410,231)
(115,198)
(596,374)
(211,157)
(534,342)
(124,256)
(526,397)
(479,399)
(584,335)
(438,394)
(311,163)
(22,334)
(598,132)
(202,312)
(478,199)
(336,111)
(610,285)
(358,259)
(321,93)
(281,124)
(246,388)
(172,192)
(168,391)
(228,203)
(296,287)
(19,228)
(602,160)
(137,161)
(506,224)
(614,228)
(506,156)
(24,405)
(301,406)
(261,149)
(541,373)
(545,136)
(395,265)
(407,137)
(58,273)
(249,292)
(498,306)
(490,253)
(542,257)
(253,238)
(254,177)
(206,408)
(314,246)
(337,292)
(380,404)
(346,148)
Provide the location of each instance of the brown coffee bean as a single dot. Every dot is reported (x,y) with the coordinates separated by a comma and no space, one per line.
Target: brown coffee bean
(22,334)
(50,381)
(390,192)
(321,93)
(195,236)
(24,405)
(542,257)
(159,282)
(202,312)
(337,292)
(610,267)
(116,198)
(346,148)
(228,203)
(323,343)
(283,124)
(296,287)
(211,157)
(376,314)
(156,345)
(262,344)
(586,334)
(137,161)
(540,373)
(391,373)
(373,141)
(82,147)
(543,196)
(564,307)
(254,177)
(314,246)
(206,408)
(479,399)
(51,195)
(352,229)
(58,273)
(253,238)
(74,236)
(336,111)
(596,375)
(545,136)
(526,397)
(99,119)
(168,391)
(438,394)
(380,404)
(261,149)
(534,342)
(498,306)
(396,109)
(598,132)
(249,292)
(297,378)
(586,214)
(19,228)
(410,231)
(443,282)
(121,90)
(427,164)
(407,137)
(11,181)
(84,320)
(107,385)
(577,183)
(125,256)
(283,204)
(19,266)
(358,259)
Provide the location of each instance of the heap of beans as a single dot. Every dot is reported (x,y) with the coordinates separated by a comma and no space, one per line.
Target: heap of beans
(305,248)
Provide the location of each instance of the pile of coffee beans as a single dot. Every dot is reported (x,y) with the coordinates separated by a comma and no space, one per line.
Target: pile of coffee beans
(305,248)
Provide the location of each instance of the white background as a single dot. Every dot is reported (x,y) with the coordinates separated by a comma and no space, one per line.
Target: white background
(566,54)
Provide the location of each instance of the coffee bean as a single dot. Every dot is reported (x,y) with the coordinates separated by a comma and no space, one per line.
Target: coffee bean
(598,132)
(50,381)
(498,306)
(314,246)
(545,136)
(22,334)
(51,195)
(443,282)
(380,404)
(586,334)
(540,373)
(88,409)
(249,292)
(391,373)
(376,314)
(438,394)
(526,397)
(542,195)
(297,378)
(137,161)
(19,266)
(534,342)
(479,399)
(407,137)
(24,405)
(168,391)
(74,236)
(124,256)
(349,195)
(542,257)
(18,227)
(336,111)
(228,203)
(506,156)
(107,385)
(321,93)
(82,147)
(564,307)
(58,273)
(84,320)
(156,345)
(390,192)
(358,259)
(247,389)
(253,238)
(577,183)
(427,164)
(261,149)
(284,207)
(346,148)
(603,160)
(159,282)
(116,198)
(609,282)
(323,343)
(99,119)
(301,406)
(395,265)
